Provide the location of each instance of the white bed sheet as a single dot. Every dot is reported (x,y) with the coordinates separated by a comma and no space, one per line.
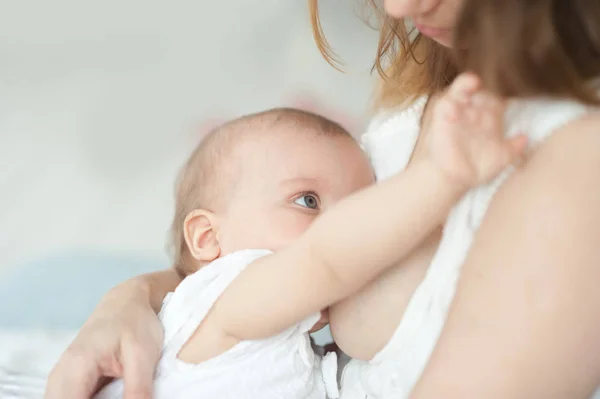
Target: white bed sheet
(26,358)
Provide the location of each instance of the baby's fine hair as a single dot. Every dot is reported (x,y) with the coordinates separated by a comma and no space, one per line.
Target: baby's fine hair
(205,181)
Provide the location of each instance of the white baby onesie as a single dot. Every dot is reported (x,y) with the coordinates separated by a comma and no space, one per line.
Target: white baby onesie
(394,371)
(282,366)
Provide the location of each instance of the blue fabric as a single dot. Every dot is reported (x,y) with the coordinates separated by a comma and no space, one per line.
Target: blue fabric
(60,292)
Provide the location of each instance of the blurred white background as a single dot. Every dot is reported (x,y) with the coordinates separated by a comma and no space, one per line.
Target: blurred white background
(100,103)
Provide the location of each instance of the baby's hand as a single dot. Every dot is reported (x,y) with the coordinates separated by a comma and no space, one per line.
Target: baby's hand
(467,134)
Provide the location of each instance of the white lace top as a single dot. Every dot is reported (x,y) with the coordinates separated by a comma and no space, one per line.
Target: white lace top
(283,366)
(390,141)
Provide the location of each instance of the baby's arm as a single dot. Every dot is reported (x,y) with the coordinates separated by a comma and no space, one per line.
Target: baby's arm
(370,231)
(342,251)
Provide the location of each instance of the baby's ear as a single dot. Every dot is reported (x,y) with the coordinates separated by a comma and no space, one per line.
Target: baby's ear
(201,236)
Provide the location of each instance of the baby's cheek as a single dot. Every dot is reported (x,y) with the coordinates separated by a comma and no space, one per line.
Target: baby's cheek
(287,227)
(248,231)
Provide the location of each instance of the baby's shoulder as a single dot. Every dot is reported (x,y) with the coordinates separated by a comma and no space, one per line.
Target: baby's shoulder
(223,269)
(185,309)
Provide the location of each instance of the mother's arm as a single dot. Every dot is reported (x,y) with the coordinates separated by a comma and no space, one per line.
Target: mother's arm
(122,338)
(525,322)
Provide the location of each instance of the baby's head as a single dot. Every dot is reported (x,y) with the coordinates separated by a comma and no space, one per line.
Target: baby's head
(259,181)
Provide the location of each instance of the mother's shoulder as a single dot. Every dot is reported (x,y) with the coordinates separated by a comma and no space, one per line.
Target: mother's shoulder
(570,157)
(578,137)
(541,118)
(554,192)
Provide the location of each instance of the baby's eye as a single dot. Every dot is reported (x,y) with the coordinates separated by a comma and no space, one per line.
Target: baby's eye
(310,201)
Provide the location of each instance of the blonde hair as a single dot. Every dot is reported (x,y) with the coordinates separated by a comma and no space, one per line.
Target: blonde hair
(208,178)
(519,48)
(410,65)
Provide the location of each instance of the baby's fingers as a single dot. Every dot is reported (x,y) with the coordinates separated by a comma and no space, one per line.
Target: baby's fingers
(517,147)
(463,87)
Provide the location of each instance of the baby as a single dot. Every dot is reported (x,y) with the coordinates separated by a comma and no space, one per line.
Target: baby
(263,248)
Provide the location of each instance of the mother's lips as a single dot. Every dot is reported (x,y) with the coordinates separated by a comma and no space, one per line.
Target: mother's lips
(431,31)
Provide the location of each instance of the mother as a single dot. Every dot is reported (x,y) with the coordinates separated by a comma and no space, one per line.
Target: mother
(525,320)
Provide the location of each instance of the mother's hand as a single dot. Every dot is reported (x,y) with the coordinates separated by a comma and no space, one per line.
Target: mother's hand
(121,339)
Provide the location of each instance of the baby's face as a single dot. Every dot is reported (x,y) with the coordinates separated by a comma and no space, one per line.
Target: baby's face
(285,182)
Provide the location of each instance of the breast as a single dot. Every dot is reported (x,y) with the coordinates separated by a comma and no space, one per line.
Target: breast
(404,357)
(363,324)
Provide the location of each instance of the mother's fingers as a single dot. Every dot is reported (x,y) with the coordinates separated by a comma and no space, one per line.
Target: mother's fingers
(75,376)
(139,363)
